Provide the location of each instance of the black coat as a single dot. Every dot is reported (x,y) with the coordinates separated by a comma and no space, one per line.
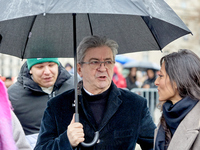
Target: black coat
(126,121)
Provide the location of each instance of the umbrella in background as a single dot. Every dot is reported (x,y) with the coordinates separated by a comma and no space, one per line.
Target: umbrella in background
(123,59)
(52,28)
(142,65)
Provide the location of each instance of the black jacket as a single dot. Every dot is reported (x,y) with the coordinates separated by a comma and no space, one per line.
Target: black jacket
(126,121)
(29,101)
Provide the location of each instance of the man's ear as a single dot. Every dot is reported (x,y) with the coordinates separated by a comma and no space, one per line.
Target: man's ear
(79,71)
(30,72)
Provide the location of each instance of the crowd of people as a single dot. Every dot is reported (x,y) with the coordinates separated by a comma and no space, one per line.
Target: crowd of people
(37,111)
(135,78)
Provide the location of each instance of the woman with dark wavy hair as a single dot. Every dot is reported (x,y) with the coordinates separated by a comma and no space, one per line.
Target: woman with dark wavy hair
(179,94)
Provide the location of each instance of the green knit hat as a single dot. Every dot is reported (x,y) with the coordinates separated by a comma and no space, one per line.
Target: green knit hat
(33,61)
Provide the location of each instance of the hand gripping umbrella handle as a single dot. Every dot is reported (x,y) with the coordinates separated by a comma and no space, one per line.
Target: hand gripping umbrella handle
(96,137)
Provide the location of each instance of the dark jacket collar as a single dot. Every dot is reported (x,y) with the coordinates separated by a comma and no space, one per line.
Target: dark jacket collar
(112,105)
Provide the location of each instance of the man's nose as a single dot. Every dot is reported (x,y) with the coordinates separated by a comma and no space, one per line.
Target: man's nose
(102,63)
(102,66)
(46,70)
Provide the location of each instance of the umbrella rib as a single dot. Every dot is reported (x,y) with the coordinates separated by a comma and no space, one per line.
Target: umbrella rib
(147,23)
(29,35)
(90,24)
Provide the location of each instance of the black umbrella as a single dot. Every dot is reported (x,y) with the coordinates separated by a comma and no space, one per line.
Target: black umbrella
(35,29)
(45,28)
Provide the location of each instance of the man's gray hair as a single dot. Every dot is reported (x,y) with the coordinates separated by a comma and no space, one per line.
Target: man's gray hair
(95,41)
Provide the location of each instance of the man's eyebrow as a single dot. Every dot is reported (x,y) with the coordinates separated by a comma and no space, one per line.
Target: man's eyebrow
(98,59)
(40,64)
(108,59)
(93,59)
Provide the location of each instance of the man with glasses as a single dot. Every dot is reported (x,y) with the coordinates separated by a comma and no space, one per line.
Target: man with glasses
(121,117)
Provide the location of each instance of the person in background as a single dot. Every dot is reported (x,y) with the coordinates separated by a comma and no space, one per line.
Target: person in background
(12,136)
(149,83)
(8,82)
(121,117)
(179,94)
(118,78)
(151,77)
(39,80)
(131,79)
(2,78)
(68,67)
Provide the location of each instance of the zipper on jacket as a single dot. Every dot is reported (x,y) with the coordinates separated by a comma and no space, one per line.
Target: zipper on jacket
(53,94)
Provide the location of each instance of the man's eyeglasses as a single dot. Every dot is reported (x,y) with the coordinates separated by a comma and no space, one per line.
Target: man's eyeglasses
(96,64)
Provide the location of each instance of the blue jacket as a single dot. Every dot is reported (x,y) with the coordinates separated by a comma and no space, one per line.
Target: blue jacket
(126,121)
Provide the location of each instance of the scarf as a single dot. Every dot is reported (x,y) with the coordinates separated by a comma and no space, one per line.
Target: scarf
(6,134)
(173,115)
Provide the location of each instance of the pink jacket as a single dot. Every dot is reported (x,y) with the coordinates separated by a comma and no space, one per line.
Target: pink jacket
(6,134)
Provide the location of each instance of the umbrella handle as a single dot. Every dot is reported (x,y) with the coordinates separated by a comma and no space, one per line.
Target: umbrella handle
(96,137)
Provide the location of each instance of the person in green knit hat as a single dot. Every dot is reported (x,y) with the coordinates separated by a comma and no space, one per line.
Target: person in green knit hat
(39,80)
(44,71)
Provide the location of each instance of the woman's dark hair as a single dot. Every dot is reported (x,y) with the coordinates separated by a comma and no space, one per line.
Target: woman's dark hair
(183,68)
(131,77)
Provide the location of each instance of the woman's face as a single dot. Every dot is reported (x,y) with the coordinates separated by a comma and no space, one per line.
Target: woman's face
(165,89)
(133,71)
(150,73)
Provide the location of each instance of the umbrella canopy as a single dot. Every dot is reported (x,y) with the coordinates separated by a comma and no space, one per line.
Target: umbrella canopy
(32,29)
(142,65)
